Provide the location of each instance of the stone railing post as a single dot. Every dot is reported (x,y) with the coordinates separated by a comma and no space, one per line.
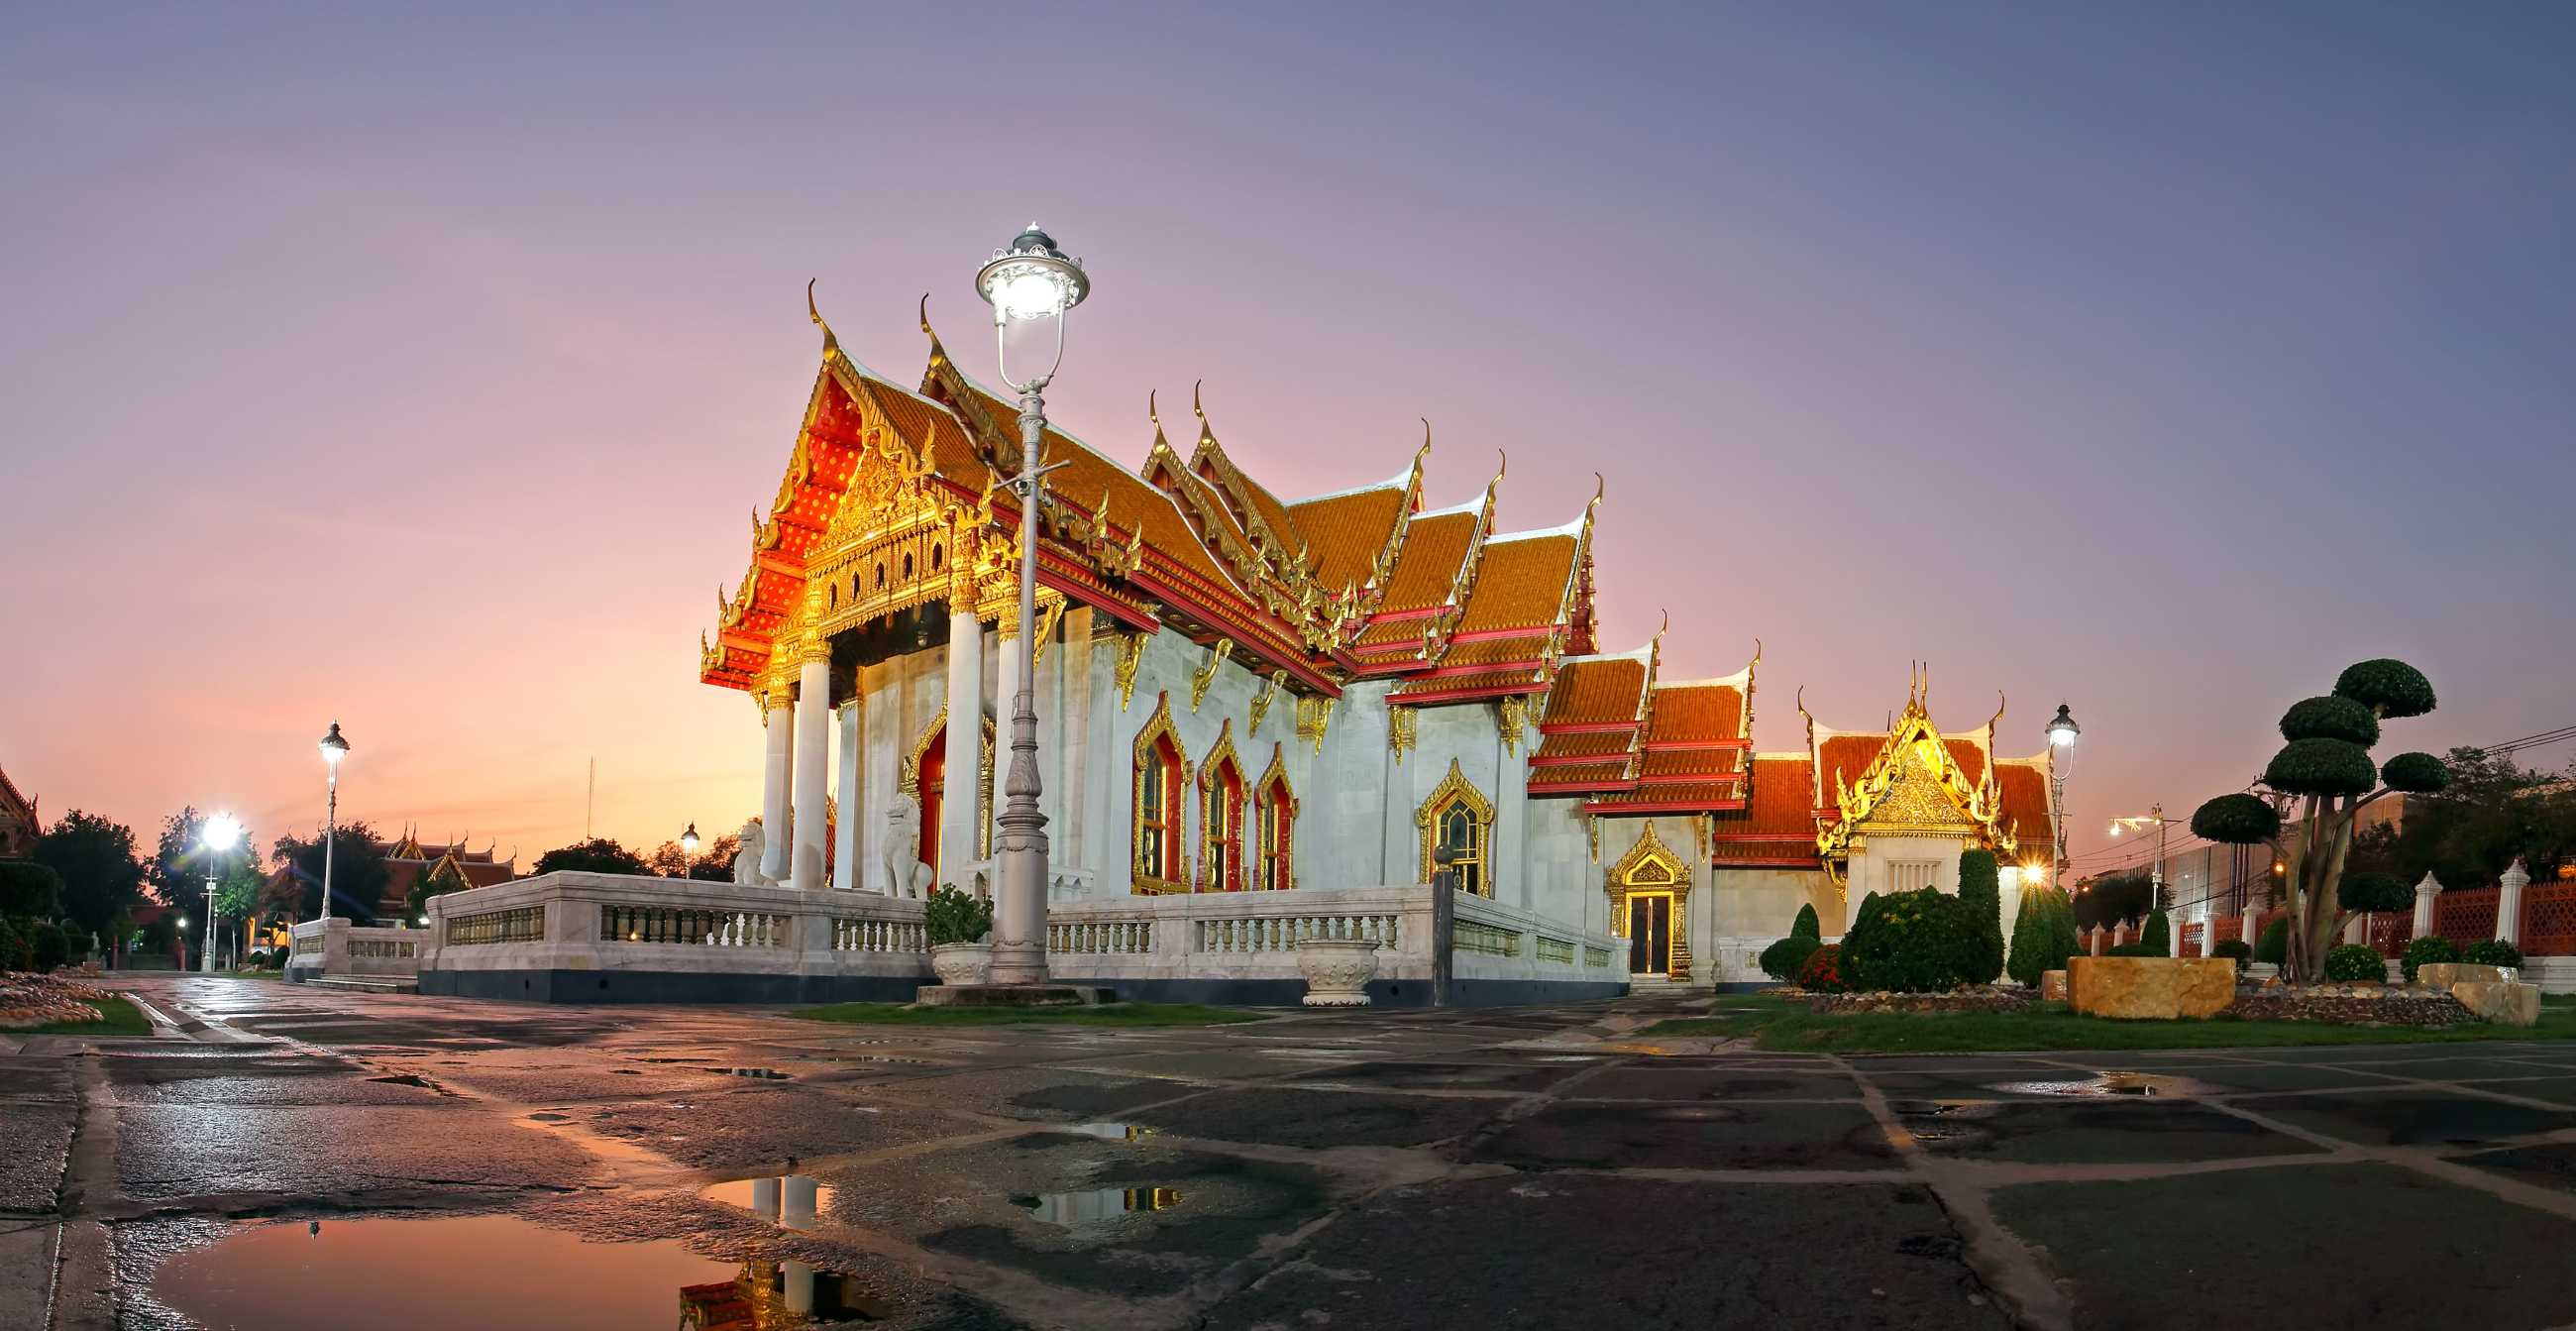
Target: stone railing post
(2425,891)
(2509,903)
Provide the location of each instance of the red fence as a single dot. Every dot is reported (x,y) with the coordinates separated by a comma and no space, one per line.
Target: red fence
(2549,918)
(2469,916)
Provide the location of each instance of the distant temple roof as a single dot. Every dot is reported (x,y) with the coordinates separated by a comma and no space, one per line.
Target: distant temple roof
(19,825)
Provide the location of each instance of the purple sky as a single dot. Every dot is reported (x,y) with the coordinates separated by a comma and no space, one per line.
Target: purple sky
(423,369)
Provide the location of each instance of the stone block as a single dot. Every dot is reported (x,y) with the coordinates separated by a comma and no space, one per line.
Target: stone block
(2444,974)
(2151,987)
(2052,986)
(2499,1001)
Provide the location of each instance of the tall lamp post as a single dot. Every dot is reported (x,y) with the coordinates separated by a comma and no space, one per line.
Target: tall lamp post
(2155,818)
(1029,283)
(219,835)
(334,749)
(2062,731)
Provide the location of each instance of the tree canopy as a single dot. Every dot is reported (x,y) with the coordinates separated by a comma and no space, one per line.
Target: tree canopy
(2489,814)
(597,855)
(181,863)
(358,873)
(95,857)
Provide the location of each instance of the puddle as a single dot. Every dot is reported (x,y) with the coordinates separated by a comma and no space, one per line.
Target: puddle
(765,1074)
(550,1116)
(2108,1083)
(1108,1132)
(1098,1204)
(793,1200)
(330,1274)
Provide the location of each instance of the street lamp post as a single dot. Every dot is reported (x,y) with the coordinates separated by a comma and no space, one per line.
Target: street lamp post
(1026,282)
(220,834)
(2155,818)
(2062,732)
(334,749)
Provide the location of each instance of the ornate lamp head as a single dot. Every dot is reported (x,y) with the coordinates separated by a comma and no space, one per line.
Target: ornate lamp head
(334,748)
(1030,283)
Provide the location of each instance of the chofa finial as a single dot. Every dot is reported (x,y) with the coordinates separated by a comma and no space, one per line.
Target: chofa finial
(831,344)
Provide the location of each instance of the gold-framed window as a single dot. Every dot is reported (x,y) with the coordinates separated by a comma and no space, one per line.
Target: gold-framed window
(1157,859)
(1457,825)
(1274,823)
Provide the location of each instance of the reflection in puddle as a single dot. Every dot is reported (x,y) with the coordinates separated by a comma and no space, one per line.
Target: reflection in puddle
(1109,1132)
(2107,1083)
(484,1270)
(765,1074)
(1097,1204)
(793,1200)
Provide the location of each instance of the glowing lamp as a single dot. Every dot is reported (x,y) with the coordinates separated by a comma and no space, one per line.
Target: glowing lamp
(2062,729)
(689,840)
(1031,279)
(334,748)
(221,833)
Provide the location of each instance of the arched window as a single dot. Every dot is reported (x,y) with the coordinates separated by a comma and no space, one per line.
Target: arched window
(1161,784)
(1457,830)
(1274,826)
(1221,792)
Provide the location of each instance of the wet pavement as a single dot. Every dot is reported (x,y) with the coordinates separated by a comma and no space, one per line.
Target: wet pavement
(281,1157)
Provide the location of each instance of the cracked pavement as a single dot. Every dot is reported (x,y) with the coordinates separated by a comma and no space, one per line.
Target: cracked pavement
(1371,1169)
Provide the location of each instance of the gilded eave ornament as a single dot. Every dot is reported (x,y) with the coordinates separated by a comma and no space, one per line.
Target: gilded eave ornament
(1206,675)
(1400,731)
(1261,700)
(1313,714)
(1131,654)
(1513,723)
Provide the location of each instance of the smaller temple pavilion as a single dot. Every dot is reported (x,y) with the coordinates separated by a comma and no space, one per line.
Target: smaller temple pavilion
(19,825)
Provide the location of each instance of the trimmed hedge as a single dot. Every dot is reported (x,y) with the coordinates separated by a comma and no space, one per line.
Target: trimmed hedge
(2158,935)
(52,945)
(2415,773)
(2321,767)
(1981,894)
(2330,718)
(2236,820)
(2389,687)
(1782,959)
(2043,935)
(2272,946)
(2432,949)
(2235,948)
(1806,925)
(2492,952)
(1911,942)
(2354,963)
(1823,972)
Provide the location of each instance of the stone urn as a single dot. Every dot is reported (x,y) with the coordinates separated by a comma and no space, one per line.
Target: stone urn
(1337,970)
(962,963)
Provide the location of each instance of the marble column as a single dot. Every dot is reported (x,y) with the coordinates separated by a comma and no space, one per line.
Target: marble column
(847,875)
(1006,688)
(778,742)
(2253,920)
(2208,927)
(2509,904)
(959,810)
(2425,892)
(813,772)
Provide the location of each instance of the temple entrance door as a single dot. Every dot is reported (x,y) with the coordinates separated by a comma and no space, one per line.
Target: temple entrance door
(1650,933)
(934,785)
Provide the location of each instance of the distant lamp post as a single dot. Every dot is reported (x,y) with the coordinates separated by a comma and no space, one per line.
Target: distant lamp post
(1029,283)
(334,749)
(689,840)
(219,835)
(2062,732)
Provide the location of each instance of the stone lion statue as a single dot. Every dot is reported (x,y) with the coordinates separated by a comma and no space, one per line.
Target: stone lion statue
(906,875)
(746,862)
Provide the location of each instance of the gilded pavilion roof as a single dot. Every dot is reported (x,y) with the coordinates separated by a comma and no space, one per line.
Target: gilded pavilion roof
(1913,778)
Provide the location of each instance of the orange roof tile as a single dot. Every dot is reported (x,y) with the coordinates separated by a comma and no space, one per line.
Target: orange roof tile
(1494,683)
(1582,775)
(1493,651)
(1346,533)
(1708,797)
(1846,755)
(1585,744)
(2024,803)
(1780,801)
(1673,762)
(1520,583)
(1970,758)
(1426,566)
(1595,689)
(1687,713)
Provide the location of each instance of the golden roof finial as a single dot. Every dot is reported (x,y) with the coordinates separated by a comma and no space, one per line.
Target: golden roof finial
(1154,413)
(831,344)
(1425,451)
(1206,435)
(1661,628)
(924,314)
(1998,716)
(1757,653)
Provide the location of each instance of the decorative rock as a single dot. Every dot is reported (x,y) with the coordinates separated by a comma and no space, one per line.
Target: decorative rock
(2052,986)
(2500,1001)
(2444,974)
(2151,987)
(1337,970)
(2351,1004)
(962,963)
(1979,998)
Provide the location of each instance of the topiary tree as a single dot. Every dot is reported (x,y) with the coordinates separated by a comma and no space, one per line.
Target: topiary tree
(2043,934)
(2236,950)
(2492,952)
(51,946)
(1981,892)
(2325,763)
(1913,942)
(2272,946)
(2157,937)
(2432,949)
(2354,963)
(1806,925)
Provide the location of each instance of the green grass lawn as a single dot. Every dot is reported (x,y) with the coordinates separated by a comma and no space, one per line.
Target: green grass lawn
(1785,1024)
(116,1017)
(1107,1014)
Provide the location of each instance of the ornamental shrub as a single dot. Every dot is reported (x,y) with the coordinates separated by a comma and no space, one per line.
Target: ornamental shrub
(2330,718)
(2236,949)
(2434,949)
(1806,925)
(1981,894)
(2389,688)
(2415,773)
(1823,972)
(2157,937)
(954,916)
(2043,935)
(2272,947)
(50,945)
(29,890)
(17,950)
(2492,952)
(77,943)
(2236,820)
(2134,950)
(1913,942)
(1782,959)
(2321,767)
(2354,963)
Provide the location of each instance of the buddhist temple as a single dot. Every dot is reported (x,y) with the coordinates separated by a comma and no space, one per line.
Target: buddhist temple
(19,825)
(1244,689)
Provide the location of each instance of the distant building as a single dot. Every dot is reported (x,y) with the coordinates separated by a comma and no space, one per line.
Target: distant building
(19,825)
(407,861)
